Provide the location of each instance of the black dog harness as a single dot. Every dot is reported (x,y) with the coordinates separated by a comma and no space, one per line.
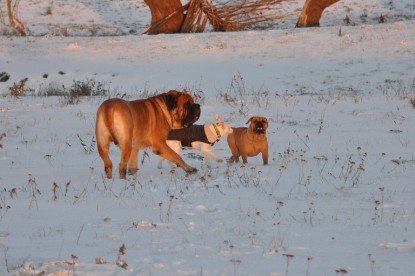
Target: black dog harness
(191,134)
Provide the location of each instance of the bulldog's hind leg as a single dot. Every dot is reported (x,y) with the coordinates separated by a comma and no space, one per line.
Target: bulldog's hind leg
(234,149)
(125,156)
(103,150)
(104,139)
(132,162)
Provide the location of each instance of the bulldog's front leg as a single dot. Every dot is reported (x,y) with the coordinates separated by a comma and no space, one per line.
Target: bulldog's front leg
(167,153)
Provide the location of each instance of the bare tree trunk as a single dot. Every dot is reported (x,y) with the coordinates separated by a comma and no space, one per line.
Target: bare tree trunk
(13,21)
(312,11)
(170,16)
(10,12)
(167,16)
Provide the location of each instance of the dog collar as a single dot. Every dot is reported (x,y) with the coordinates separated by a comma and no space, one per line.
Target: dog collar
(216,130)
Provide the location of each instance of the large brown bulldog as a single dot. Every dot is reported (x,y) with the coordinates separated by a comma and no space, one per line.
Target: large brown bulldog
(134,125)
(249,141)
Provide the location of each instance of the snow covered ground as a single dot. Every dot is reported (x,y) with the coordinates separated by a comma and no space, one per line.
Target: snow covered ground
(337,196)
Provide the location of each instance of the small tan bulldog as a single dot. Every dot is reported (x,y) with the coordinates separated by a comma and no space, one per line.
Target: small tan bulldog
(249,141)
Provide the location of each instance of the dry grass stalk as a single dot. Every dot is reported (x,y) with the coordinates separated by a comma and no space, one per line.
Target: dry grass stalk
(18,89)
(195,20)
(243,15)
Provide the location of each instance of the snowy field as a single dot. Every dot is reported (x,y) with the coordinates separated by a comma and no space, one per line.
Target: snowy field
(337,197)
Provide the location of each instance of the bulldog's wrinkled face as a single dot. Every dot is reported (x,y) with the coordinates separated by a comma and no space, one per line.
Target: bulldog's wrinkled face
(258,125)
(193,114)
(183,110)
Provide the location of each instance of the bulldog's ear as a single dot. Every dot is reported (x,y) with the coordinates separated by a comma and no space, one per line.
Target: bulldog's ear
(250,119)
(171,100)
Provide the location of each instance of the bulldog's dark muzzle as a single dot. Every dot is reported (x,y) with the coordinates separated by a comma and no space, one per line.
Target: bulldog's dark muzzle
(192,116)
(259,128)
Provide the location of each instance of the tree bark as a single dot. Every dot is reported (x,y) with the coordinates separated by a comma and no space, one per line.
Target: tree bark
(312,11)
(166,16)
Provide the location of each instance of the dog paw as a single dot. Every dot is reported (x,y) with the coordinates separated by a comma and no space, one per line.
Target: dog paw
(123,176)
(191,170)
(232,160)
(132,171)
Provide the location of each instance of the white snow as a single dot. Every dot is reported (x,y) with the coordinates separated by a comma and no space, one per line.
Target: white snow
(336,198)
